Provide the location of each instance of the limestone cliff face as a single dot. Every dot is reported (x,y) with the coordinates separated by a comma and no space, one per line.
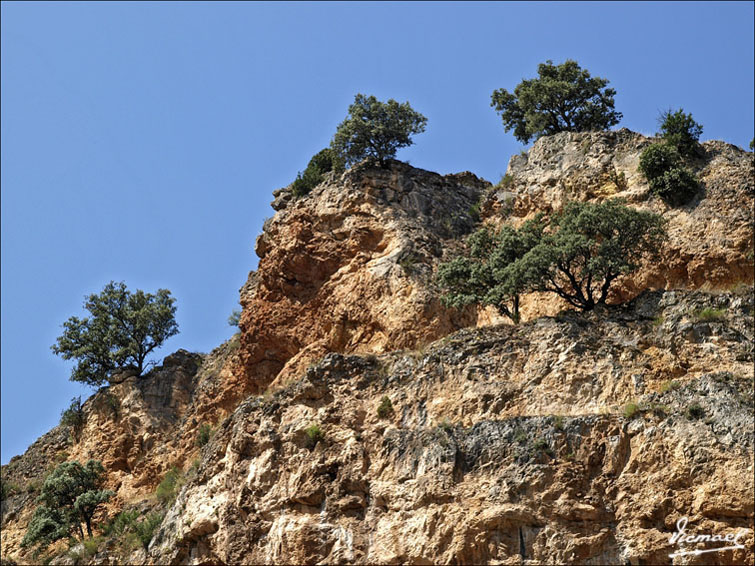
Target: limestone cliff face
(576,438)
(348,268)
(504,445)
(710,241)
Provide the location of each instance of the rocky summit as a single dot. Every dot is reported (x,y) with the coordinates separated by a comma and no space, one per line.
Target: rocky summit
(356,419)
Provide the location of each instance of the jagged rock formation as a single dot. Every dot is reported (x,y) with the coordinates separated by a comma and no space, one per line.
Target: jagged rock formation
(504,444)
(710,241)
(468,469)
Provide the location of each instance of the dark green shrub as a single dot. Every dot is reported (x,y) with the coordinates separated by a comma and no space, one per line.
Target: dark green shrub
(326,160)
(385,409)
(306,181)
(681,131)
(658,158)
(695,412)
(73,418)
(677,186)
(204,434)
(170,486)
(661,163)
(314,435)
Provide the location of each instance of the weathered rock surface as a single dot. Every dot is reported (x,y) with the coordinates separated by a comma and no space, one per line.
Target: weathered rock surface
(504,444)
(710,241)
(348,268)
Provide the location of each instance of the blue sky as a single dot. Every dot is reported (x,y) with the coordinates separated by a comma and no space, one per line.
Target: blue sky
(141,142)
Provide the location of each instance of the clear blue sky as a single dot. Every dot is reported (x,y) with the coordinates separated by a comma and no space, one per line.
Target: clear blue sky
(141,142)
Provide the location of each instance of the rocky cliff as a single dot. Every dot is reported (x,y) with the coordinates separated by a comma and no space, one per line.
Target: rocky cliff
(358,420)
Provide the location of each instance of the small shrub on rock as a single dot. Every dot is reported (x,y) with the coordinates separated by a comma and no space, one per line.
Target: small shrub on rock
(677,186)
(322,162)
(630,410)
(145,529)
(695,412)
(73,418)
(385,409)
(709,314)
(170,486)
(661,163)
(314,435)
(204,434)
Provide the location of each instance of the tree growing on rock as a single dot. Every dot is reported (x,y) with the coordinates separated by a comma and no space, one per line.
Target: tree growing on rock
(70,497)
(663,167)
(587,247)
(577,254)
(564,98)
(376,129)
(681,131)
(74,418)
(123,330)
(486,275)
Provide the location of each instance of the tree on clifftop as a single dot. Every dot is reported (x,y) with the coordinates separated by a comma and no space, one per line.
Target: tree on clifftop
(123,330)
(564,98)
(376,129)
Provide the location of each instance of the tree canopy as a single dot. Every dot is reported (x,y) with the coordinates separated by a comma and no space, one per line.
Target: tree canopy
(123,329)
(564,98)
(485,276)
(376,129)
(577,254)
(587,247)
(70,496)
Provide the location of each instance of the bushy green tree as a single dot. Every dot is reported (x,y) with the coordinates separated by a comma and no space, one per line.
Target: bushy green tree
(70,496)
(681,131)
(376,129)
(73,417)
(663,167)
(486,274)
(123,329)
(586,247)
(577,254)
(564,98)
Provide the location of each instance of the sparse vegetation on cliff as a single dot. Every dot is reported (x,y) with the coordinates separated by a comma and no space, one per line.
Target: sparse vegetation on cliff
(73,418)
